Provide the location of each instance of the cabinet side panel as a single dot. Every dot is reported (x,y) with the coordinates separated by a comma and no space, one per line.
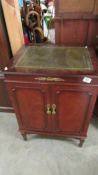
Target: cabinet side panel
(5,104)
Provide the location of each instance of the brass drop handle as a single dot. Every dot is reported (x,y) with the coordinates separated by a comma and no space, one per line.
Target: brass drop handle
(48,109)
(53,109)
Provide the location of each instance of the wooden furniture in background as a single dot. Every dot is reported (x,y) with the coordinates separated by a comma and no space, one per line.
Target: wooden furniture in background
(13,23)
(76,22)
(78,32)
(76,8)
(5,55)
(53,90)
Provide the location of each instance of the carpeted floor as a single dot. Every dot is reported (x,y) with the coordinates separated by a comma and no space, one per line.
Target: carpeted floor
(45,155)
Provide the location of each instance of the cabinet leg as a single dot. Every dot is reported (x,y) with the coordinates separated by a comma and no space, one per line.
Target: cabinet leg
(24,136)
(81,142)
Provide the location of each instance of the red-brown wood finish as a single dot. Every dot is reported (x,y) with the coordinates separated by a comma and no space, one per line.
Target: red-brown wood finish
(5,55)
(76,9)
(31,103)
(5,52)
(76,22)
(5,104)
(76,32)
(74,102)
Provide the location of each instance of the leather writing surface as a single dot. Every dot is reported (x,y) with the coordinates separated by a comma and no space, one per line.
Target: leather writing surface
(56,58)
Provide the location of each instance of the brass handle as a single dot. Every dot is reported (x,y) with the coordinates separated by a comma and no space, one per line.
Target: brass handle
(48,109)
(53,109)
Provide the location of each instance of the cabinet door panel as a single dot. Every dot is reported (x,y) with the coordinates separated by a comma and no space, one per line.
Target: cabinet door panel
(72,109)
(30,102)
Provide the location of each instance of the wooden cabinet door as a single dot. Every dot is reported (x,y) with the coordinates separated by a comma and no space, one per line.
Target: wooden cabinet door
(74,107)
(30,105)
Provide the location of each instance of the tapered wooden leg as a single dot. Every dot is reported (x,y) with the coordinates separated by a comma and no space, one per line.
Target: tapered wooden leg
(24,136)
(81,142)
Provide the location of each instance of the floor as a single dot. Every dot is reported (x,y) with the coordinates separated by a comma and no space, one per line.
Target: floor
(44,155)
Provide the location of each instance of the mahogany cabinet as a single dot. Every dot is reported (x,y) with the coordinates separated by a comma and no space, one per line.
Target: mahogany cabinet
(53,90)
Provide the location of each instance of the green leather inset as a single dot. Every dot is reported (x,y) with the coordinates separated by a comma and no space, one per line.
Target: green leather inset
(55,58)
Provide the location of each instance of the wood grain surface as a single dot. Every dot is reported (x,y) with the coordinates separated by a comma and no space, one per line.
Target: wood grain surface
(13,23)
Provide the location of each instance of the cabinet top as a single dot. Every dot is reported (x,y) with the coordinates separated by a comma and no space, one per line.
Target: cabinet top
(59,58)
(53,58)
